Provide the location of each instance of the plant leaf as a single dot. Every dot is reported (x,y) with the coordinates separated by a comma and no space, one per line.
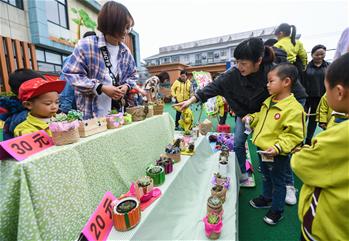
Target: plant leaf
(74,10)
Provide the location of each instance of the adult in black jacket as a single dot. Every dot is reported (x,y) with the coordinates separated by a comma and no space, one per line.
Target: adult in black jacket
(244,87)
(314,84)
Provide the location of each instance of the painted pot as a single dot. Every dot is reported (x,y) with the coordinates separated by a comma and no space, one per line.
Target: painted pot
(157,173)
(214,204)
(166,163)
(126,214)
(144,188)
(219,191)
(213,229)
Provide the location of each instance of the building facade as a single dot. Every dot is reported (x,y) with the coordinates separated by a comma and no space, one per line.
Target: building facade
(49,25)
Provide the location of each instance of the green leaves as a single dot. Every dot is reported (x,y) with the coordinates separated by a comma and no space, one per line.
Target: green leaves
(83,19)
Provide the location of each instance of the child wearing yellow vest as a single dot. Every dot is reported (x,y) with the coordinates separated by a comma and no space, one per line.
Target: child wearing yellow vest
(180,90)
(323,167)
(40,97)
(279,127)
(325,116)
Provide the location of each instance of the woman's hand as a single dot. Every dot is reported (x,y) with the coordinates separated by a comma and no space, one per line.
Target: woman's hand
(186,103)
(113,92)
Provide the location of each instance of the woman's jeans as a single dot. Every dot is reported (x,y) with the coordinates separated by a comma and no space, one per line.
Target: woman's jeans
(239,143)
(274,181)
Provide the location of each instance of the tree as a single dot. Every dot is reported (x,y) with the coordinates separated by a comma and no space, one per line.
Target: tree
(83,19)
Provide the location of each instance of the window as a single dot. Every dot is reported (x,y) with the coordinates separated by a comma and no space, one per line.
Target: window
(15,3)
(209,57)
(223,53)
(56,11)
(50,61)
(198,59)
(175,59)
(167,60)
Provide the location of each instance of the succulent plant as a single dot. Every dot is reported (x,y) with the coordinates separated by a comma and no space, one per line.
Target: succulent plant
(214,201)
(71,116)
(144,181)
(126,206)
(218,175)
(155,169)
(177,143)
(213,218)
(187,133)
(113,112)
(191,147)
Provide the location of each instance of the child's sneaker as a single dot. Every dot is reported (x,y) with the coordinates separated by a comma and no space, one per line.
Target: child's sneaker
(260,202)
(272,218)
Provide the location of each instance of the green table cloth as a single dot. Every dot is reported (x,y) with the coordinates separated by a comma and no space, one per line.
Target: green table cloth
(51,195)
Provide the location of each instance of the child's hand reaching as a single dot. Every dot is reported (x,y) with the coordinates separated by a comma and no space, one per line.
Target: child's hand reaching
(270,152)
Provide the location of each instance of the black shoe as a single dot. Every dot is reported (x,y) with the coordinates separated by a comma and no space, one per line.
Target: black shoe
(308,141)
(272,218)
(260,202)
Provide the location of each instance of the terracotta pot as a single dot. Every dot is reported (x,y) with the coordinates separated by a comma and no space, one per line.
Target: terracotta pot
(137,113)
(144,194)
(175,157)
(158,109)
(126,220)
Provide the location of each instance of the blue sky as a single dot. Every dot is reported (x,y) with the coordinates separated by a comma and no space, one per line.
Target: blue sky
(166,22)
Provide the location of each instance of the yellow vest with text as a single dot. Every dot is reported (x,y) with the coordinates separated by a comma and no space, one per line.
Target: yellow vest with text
(181,90)
(281,126)
(293,50)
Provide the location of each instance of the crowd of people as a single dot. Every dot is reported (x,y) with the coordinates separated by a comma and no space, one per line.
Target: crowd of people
(272,88)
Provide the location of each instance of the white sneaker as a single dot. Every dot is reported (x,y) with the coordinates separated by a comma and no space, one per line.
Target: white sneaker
(243,177)
(291,198)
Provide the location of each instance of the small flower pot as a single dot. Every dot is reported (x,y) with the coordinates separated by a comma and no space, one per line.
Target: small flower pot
(126,214)
(214,204)
(213,228)
(144,188)
(64,133)
(219,191)
(166,163)
(157,173)
(137,112)
(173,151)
(92,126)
(158,108)
(115,121)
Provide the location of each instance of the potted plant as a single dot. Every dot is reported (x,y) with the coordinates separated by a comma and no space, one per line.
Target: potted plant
(114,119)
(173,151)
(213,225)
(223,166)
(158,107)
(64,127)
(149,109)
(127,118)
(144,188)
(219,191)
(126,214)
(157,173)
(205,127)
(166,163)
(225,151)
(92,126)
(138,112)
(214,204)
(221,180)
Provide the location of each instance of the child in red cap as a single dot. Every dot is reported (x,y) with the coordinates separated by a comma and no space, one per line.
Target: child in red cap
(40,97)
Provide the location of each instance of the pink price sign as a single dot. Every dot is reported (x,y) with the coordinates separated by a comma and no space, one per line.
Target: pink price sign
(24,146)
(100,223)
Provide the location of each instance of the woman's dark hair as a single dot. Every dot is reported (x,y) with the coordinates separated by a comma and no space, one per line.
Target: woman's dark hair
(316,47)
(285,70)
(287,30)
(163,76)
(183,72)
(252,49)
(270,42)
(113,19)
(20,76)
(337,72)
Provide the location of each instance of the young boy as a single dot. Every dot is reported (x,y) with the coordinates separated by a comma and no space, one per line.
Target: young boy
(40,97)
(13,111)
(278,129)
(324,167)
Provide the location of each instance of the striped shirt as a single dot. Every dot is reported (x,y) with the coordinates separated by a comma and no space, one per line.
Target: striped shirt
(86,69)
